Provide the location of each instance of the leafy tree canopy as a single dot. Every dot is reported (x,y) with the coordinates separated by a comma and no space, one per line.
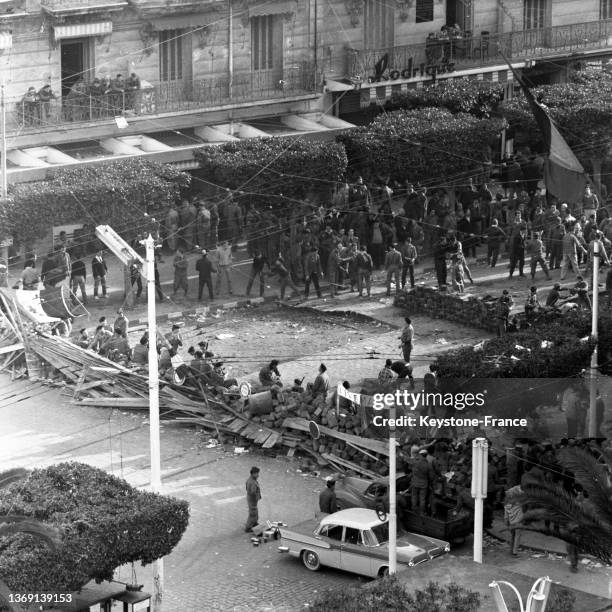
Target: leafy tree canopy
(478,98)
(427,144)
(104,523)
(262,169)
(116,193)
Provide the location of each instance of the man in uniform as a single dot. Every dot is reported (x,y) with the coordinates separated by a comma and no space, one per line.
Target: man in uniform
(253,495)
(422,480)
(407,339)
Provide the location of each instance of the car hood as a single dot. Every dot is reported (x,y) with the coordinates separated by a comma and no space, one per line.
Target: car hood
(413,548)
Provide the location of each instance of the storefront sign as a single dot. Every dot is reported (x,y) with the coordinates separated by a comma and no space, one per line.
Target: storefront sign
(383,74)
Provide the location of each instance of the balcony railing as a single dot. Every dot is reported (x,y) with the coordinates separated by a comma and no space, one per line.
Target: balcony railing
(458,53)
(59,7)
(167,97)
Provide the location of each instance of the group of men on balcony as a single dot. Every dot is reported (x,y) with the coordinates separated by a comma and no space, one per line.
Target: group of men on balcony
(102,97)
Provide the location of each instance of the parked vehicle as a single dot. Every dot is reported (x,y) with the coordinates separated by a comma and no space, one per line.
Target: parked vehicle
(355,492)
(356,540)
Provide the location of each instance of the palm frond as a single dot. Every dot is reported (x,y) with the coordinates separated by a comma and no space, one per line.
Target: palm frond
(593,476)
(7,477)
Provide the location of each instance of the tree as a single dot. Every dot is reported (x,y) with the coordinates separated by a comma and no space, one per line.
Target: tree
(273,171)
(585,524)
(104,523)
(12,524)
(423,145)
(115,193)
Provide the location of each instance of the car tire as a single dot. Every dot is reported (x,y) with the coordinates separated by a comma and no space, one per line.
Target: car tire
(383,572)
(311,560)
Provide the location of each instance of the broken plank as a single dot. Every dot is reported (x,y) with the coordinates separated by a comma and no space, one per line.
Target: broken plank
(376,446)
(263,435)
(113,402)
(272,440)
(350,465)
(248,430)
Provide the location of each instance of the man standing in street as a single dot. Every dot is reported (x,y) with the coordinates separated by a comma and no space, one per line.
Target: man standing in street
(407,340)
(422,480)
(99,270)
(570,256)
(502,312)
(393,265)
(121,323)
(224,263)
(365,265)
(253,495)
(409,257)
(320,386)
(180,272)
(205,269)
(517,251)
(536,250)
(327,497)
(257,270)
(313,271)
(77,280)
(284,278)
(495,236)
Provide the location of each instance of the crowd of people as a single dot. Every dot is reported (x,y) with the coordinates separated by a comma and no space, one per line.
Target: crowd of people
(86,100)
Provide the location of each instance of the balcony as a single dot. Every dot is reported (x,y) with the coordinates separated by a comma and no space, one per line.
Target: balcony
(66,8)
(461,53)
(79,109)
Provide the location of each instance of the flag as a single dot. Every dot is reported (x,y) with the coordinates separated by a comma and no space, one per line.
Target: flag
(564,175)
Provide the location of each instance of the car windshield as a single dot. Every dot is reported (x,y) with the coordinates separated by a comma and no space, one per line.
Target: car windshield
(381,532)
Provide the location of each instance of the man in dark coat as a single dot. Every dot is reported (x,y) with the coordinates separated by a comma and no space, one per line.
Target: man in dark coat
(253,495)
(205,269)
(327,498)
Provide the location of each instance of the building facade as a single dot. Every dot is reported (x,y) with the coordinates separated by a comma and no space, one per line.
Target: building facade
(217,70)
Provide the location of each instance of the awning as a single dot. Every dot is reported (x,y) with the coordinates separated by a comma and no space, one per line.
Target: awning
(331,85)
(78,30)
(6,40)
(180,22)
(273,8)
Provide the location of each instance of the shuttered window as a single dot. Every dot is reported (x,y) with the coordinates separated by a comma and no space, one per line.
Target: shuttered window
(378,20)
(171,55)
(534,14)
(424,10)
(262,42)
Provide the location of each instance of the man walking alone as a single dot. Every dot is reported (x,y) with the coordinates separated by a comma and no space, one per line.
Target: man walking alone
(407,340)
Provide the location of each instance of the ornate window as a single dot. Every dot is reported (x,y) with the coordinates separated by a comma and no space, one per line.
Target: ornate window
(605,9)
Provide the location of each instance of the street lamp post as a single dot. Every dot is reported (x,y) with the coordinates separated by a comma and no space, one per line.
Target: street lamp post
(479,490)
(392,501)
(594,334)
(156,484)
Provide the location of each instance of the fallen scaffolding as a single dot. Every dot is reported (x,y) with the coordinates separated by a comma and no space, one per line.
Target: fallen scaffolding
(281,423)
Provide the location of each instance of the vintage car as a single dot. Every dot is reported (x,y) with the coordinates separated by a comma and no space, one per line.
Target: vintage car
(352,491)
(357,541)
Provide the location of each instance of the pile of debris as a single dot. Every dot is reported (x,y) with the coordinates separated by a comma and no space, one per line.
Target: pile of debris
(271,419)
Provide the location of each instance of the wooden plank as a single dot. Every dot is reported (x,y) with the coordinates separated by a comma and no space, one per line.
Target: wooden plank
(113,402)
(350,465)
(274,437)
(249,429)
(375,446)
(263,436)
(11,348)
(236,425)
(253,434)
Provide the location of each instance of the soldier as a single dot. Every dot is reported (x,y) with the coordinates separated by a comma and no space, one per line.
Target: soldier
(253,495)
(180,272)
(421,482)
(327,497)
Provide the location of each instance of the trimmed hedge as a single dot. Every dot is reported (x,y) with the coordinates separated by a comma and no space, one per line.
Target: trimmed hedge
(581,108)
(114,193)
(390,594)
(478,98)
(105,523)
(428,144)
(265,169)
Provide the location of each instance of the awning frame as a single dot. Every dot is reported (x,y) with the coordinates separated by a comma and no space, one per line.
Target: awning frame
(82,30)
